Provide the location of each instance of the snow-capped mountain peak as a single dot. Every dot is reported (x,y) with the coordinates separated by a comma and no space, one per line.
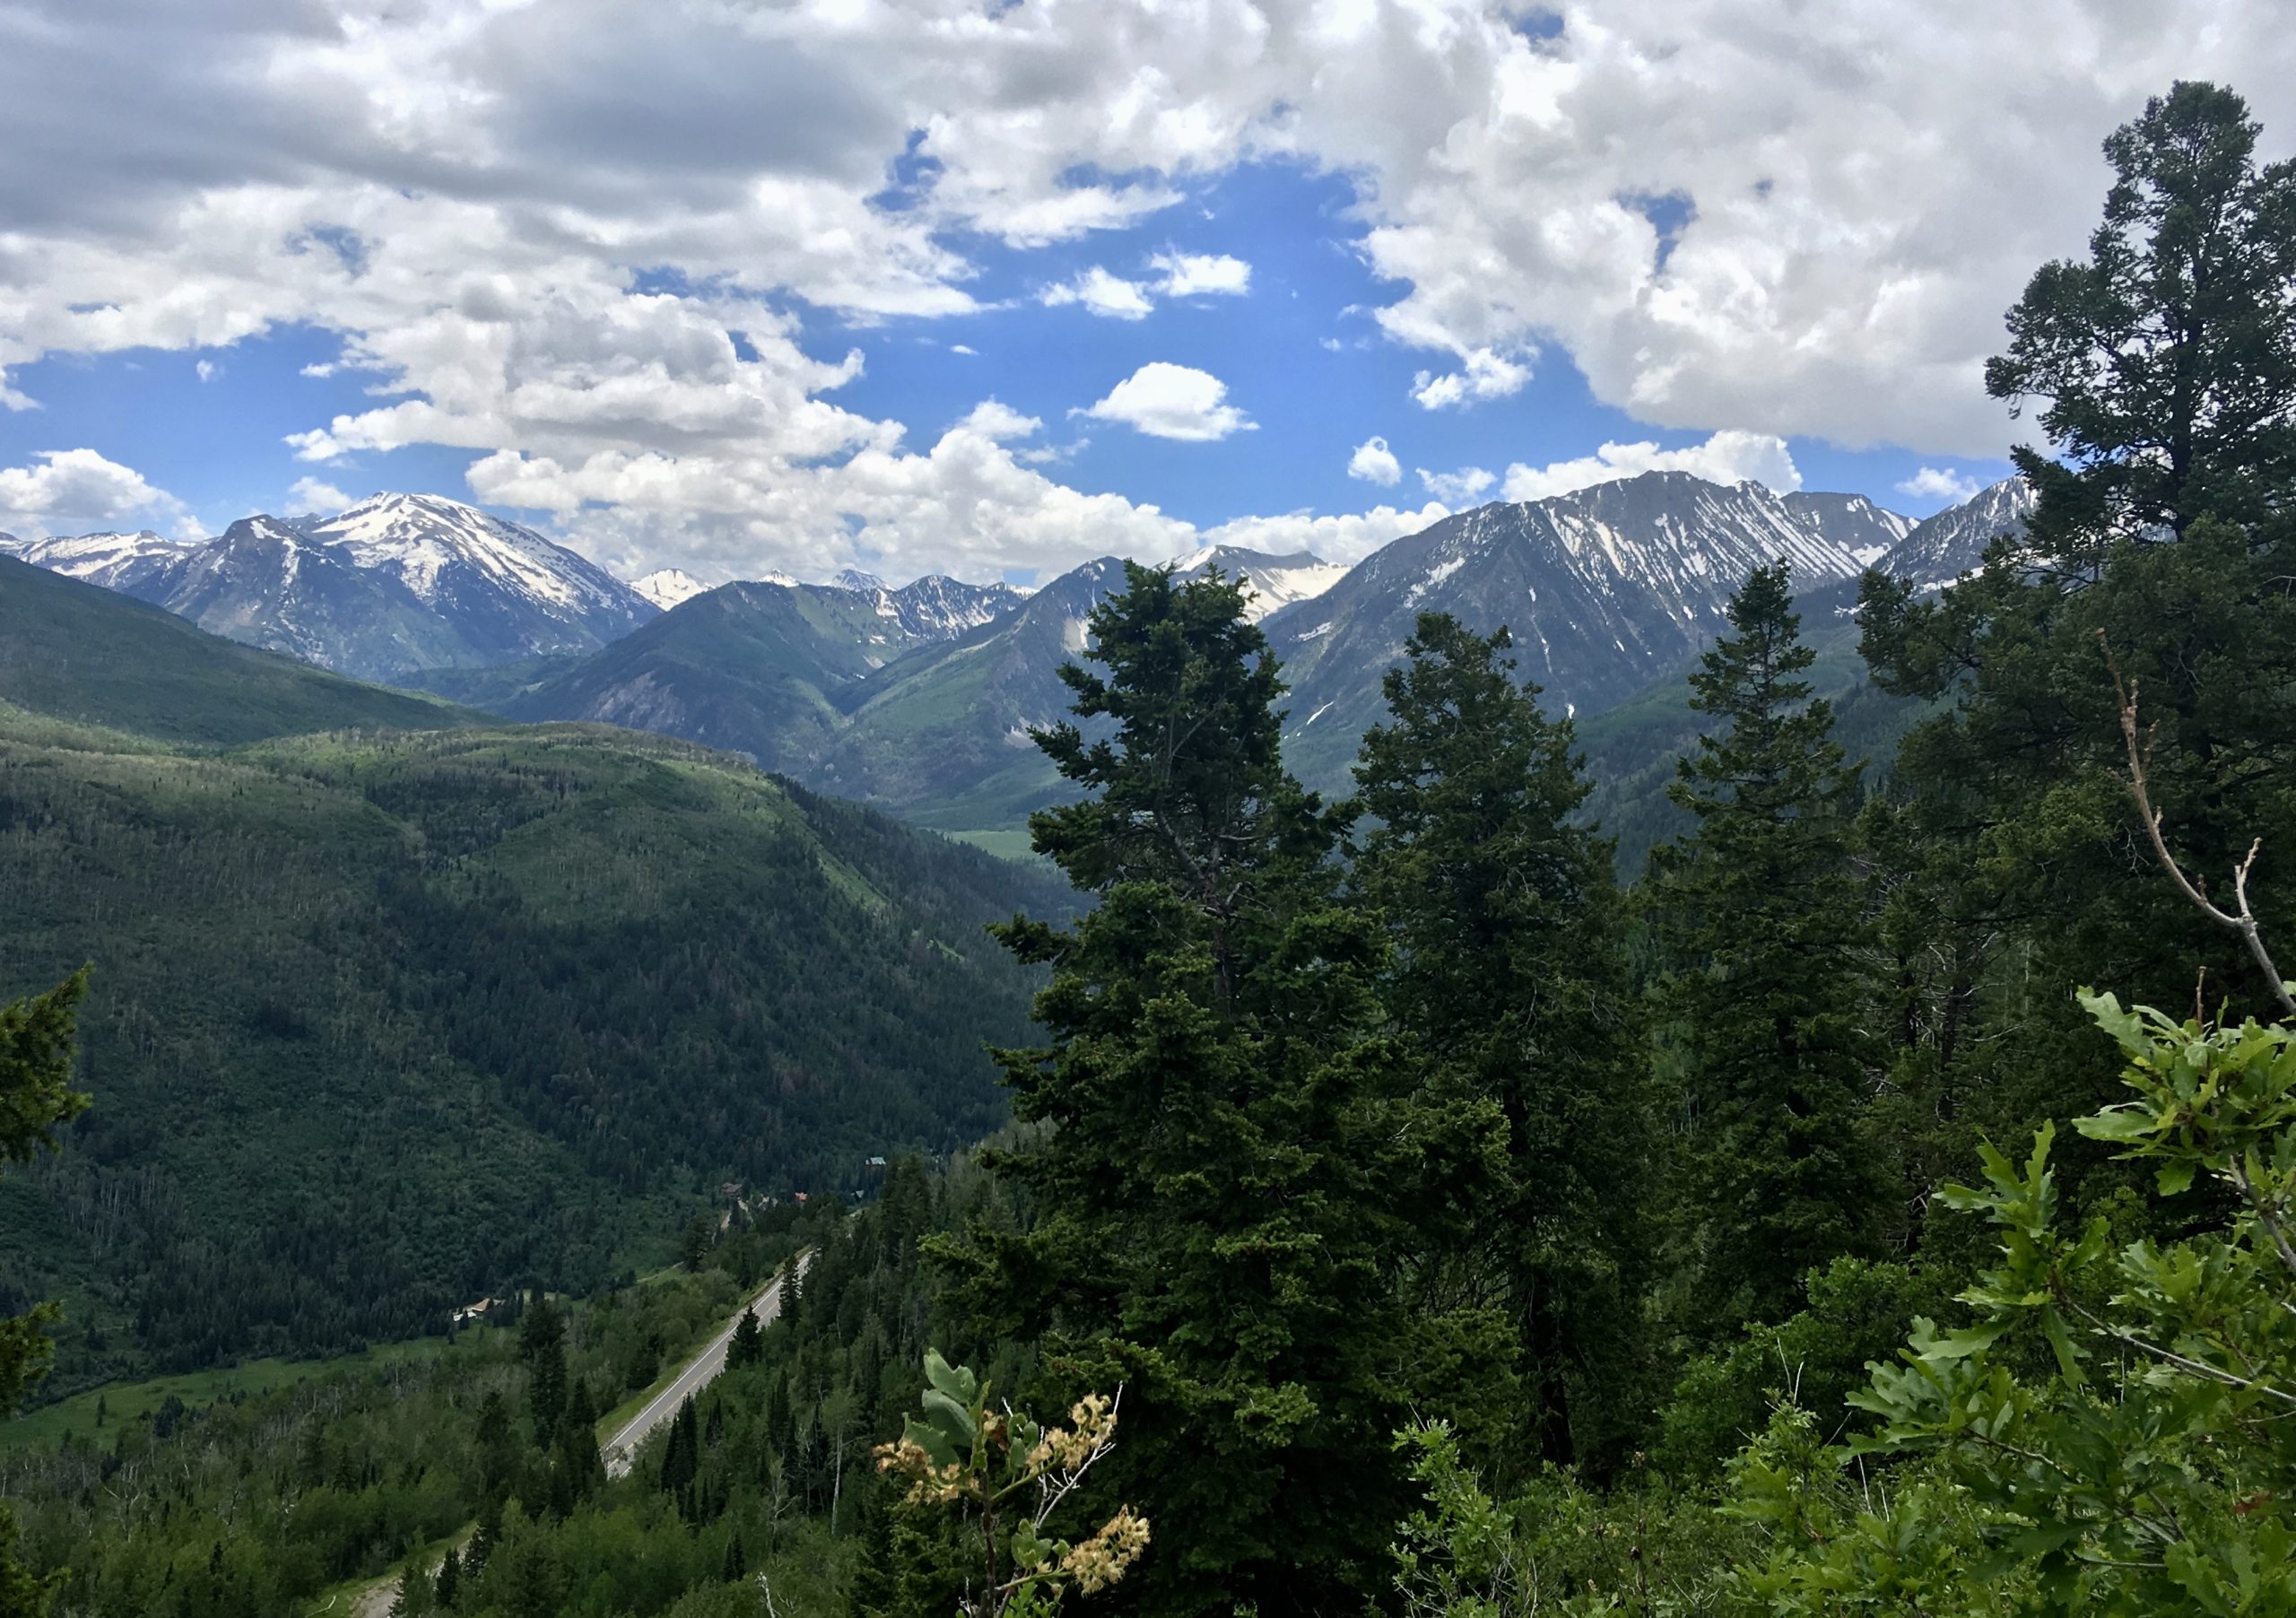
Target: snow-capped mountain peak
(665,587)
(424,539)
(854,579)
(1271,582)
(118,562)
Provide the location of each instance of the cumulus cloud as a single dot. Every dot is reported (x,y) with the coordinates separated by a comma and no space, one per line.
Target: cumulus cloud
(1458,488)
(1169,401)
(316,494)
(1191,274)
(1102,293)
(1483,374)
(207,370)
(1375,462)
(1345,537)
(1851,204)
(995,420)
(79,490)
(1939,484)
(1728,457)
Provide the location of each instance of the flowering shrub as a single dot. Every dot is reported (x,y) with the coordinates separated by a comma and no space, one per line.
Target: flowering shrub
(1011,1475)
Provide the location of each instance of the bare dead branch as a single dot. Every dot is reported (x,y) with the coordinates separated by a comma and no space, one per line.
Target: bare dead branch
(2243,921)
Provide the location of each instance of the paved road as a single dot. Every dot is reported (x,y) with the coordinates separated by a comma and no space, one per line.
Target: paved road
(698,1374)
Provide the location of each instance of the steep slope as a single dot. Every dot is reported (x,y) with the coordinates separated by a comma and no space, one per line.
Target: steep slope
(79,652)
(765,670)
(942,735)
(1271,582)
(1631,748)
(383,1023)
(747,667)
(398,584)
(1604,589)
(1851,521)
(1952,543)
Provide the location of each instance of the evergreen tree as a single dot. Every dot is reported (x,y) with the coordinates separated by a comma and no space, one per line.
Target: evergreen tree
(1760,912)
(2167,359)
(682,1454)
(1510,976)
(450,1580)
(36,1095)
(542,1346)
(748,1343)
(735,1566)
(1226,1156)
(2164,364)
(576,1471)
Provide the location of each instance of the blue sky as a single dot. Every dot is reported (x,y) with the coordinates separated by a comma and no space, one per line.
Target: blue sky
(1492,240)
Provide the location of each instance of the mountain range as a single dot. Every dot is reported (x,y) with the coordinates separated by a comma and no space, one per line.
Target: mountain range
(398,584)
(921,698)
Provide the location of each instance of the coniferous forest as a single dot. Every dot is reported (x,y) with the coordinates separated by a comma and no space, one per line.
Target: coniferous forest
(1886,1204)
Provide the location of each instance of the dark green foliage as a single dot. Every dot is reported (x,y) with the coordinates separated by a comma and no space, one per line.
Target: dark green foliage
(36,1095)
(542,1346)
(388,1024)
(1510,980)
(2167,359)
(2166,367)
(747,1343)
(1759,914)
(1228,1155)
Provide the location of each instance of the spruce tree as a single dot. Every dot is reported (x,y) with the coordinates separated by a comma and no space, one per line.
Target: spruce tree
(1510,976)
(1226,1165)
(542,1346)
(747,1346)
(1759,913)
(450,1580)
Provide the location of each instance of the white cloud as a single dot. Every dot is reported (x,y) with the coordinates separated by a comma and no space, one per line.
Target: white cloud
(959,348)
(1101,293)
(79,490)
(1484,375)
(1347,537)
(469,193)
(325,368)
(207,370)
(1937,483)
(1191,274)
(995,420)
(316,494)
(1375,462)
(1458,488)
(1726,458)
(1169,401)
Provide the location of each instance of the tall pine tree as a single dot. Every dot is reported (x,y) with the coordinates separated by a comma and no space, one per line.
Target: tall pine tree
(1759,913)
(1509,977)
(1219,1167)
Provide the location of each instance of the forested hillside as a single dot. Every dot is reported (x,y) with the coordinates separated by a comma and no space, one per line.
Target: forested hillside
(383,1022)
(79,652)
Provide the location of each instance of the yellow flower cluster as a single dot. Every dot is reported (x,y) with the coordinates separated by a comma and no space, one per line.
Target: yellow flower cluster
(930,1485)
(1100,1561)
(1094,1430)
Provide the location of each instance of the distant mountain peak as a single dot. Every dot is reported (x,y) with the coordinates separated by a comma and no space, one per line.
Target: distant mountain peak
(854,579)
(665,587)
(1271,581)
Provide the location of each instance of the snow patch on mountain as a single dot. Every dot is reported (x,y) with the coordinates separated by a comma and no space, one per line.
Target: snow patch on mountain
(1271,582)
